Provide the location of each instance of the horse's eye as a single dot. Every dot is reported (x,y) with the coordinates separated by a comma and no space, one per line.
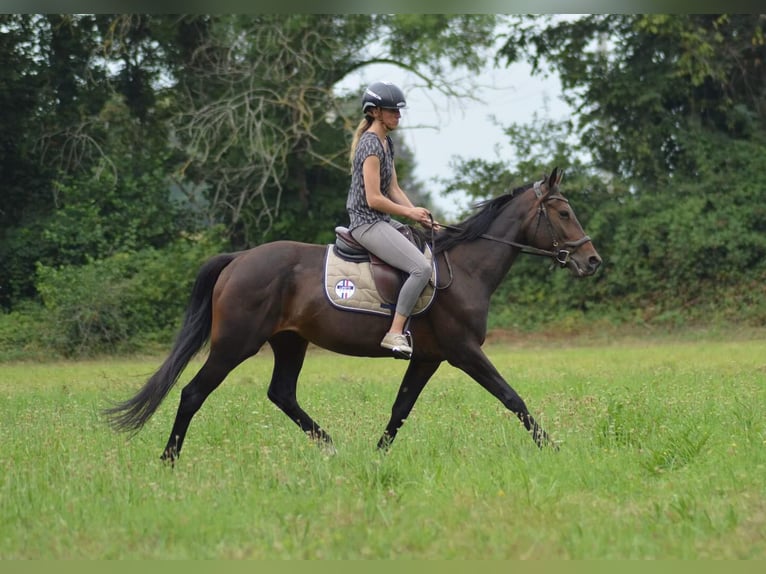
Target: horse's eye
(564,214)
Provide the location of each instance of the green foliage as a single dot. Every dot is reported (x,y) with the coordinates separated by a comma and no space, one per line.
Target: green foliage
(94,217)
(126,131)
(704,232)
(666,149)
(438,41)
(123,133)
(20,248)
(21,332)
(120,201)
(259,118)
(639,81)
(694,254)
(122,302)
(107,213)
(21,88)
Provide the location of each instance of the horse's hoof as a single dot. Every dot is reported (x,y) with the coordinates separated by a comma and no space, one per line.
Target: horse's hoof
(328,449)
(384,444)
(169,457)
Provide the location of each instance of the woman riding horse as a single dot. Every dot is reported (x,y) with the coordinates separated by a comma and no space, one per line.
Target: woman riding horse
(374,196)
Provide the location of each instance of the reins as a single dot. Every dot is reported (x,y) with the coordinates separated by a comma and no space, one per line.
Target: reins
(524,248)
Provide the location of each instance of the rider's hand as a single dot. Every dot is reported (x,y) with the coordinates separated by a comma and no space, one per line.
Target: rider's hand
(421,215)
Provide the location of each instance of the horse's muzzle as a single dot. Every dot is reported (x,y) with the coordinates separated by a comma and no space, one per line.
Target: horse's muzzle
(581,257)
(584,266)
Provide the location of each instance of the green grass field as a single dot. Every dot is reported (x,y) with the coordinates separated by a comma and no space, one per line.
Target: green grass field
(663,455)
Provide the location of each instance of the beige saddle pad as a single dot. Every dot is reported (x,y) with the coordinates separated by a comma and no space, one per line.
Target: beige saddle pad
(350,286)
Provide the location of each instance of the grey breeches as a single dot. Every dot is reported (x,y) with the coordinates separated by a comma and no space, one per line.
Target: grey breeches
(382,239)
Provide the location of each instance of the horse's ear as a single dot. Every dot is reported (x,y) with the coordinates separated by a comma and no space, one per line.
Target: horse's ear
(555,177)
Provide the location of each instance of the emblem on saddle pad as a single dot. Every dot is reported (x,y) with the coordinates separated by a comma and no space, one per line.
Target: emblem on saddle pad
(345,289)
(356,282)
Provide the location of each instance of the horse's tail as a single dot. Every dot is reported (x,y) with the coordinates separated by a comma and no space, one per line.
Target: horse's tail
(133,413)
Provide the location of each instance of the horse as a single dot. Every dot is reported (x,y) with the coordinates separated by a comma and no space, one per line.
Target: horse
(273,293)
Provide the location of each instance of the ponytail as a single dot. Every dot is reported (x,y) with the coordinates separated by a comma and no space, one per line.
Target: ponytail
(363,126)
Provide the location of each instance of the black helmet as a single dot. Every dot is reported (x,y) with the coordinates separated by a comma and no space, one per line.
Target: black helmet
(383,95)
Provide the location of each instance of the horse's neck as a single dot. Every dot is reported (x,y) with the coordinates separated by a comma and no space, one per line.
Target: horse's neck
(488,261)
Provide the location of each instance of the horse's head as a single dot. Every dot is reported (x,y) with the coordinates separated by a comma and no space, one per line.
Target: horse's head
(553,226)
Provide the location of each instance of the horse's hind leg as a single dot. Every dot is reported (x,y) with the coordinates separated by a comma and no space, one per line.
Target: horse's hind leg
(207,379)
(289,352)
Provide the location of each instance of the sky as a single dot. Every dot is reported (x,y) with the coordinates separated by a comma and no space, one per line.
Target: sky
(437,130)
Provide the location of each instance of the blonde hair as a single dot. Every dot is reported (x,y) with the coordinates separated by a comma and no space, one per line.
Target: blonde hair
(363,126)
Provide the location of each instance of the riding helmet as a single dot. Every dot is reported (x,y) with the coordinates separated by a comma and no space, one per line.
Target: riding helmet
(383,95)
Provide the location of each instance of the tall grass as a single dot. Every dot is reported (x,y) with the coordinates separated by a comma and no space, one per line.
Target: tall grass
(663,455)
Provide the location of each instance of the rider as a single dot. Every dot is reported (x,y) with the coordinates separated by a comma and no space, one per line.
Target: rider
(374,196)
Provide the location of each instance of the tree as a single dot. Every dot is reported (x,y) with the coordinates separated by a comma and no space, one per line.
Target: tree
(672,108)
(646,86)
(125,131)
(84,128)
(260,108)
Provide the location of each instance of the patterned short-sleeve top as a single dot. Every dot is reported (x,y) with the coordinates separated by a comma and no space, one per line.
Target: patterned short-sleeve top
(358,210)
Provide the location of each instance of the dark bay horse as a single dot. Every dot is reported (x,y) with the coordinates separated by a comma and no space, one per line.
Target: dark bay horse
(274,293)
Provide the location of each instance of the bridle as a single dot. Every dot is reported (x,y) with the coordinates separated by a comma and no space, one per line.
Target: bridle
(560,253)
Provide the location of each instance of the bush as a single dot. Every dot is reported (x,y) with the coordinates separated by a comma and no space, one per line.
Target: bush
(121,303)
(20,332)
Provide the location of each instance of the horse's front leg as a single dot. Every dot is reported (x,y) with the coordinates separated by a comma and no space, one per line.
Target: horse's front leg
(415,378)
(476,364)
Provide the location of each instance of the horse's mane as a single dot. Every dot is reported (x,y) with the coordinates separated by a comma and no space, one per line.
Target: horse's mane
(477,224)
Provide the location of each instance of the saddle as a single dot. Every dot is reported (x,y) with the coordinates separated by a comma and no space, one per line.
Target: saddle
(388,280)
